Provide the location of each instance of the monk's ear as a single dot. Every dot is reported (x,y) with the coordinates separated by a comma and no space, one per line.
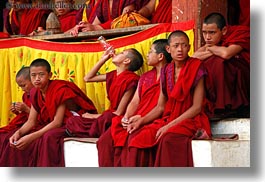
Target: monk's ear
(168,49)
(127,61)
(50,75)
(224,30)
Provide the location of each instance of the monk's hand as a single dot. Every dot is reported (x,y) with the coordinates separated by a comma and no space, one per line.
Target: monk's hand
(13,139)
(13,108)
(134,123)
(86,27)
(124,122)
(110,52)
(23,142)
(161,131)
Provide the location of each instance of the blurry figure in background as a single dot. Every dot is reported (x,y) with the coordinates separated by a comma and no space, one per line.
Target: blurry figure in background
(238,12)
(24,17)
(106,11)
(158,11)
(87,13)
(66,13)
(61,20)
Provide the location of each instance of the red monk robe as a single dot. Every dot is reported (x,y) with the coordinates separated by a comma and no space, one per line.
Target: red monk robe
(116,85)
(31,19)
(148,90)
(105,15)
(88,13)
(48,150)
(7,131)
(20,119)
(163,12)
(67,21)
(228,81)
(180,98)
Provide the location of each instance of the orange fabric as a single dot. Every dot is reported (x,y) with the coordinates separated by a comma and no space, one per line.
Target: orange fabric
(129,20)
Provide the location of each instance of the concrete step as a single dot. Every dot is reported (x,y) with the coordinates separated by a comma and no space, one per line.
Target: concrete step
(209,153)
(240,126)
(82,152)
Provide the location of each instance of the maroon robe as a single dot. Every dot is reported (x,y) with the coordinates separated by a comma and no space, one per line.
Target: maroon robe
(163,12)
(67,21)
(106,16)
(228,81)
(148,90)
(180,98)
(20,119)
(31,19)
(48,149)
(244,18)
(116,85)
(90,12)
(7,131)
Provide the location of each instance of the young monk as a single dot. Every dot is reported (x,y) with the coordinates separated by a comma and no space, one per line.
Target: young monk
(21,109)
(145,98)
(180,101)
(226,56)
(39,142)
(66,13)
(121,85)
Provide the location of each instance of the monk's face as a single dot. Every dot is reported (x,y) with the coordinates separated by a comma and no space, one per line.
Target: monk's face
(121,58)
(212,34)
(40,77)
(152,57)
(179,48)
(62,7)
(24,84)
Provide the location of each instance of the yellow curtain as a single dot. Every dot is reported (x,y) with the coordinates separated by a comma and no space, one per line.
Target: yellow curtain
(71,61)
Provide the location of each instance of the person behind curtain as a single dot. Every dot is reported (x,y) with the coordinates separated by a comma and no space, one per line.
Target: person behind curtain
(226,57)
(158,11)
(39,142)
(107,10)
(24,17)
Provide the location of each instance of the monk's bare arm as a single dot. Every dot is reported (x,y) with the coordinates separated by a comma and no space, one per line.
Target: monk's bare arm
(124,102)
(148,9)
(92,76)
(133,105)
(225,52)
(196,107)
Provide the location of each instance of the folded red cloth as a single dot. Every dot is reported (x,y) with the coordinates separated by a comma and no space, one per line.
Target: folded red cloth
(4,35)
